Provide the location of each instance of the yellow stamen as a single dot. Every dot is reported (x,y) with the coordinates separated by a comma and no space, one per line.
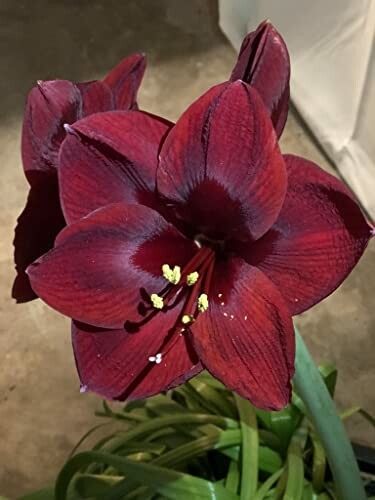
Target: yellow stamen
(192,278)
(202,303)
(172,275)
(186,319)
(157,301)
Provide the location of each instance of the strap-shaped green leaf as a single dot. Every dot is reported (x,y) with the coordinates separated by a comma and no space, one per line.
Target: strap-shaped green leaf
(295,465)
(232,480)
(319,462)
(267,485)
(171,484)
(250,448)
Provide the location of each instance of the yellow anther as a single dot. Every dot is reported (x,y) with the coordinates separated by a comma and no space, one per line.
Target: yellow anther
(157,301)
(186,319)
(172,275)
(192,278)
(202,303)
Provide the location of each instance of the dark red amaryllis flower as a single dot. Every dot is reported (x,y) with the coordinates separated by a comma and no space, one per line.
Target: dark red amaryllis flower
(264,63)
(50,105)
(208,239)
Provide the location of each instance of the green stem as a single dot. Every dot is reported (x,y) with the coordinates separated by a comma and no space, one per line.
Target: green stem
(322,411)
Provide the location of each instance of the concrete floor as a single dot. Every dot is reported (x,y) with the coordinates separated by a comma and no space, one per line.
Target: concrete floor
(42,413)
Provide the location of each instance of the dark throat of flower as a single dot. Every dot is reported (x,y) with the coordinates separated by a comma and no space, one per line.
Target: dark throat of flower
(194,281)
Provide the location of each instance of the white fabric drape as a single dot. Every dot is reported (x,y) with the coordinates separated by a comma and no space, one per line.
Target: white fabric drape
(332,50)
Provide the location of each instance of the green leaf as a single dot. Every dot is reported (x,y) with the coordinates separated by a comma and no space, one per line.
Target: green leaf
(269,439)
(193,449)
(370,418)
(249,449)
(357,409)
(171,484)
(138,404)
(221,405)
(232,480)
(319,462)
(308,492)
(86,435)
(144,428)
(267,485)
(281,483)
(196,402)
(329,374)
(223,439)
(91,485)
(269,460)
(163,405)
(208,379)
(284,423)
(298,403)
(295,465)
(264,417)
(131,417)
(325,496)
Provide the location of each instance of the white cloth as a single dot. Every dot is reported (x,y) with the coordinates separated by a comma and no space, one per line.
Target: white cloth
(332,51)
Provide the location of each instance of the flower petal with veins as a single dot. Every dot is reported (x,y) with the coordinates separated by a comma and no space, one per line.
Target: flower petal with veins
(317,239)
(264,63)
(220,166)
(103,265)
(246,337)
(124,81)
(115,364)
(108,158)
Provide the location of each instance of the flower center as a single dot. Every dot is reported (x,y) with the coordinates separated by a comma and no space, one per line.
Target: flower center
(194,280)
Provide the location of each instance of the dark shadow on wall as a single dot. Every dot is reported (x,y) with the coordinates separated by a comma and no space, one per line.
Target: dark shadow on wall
(82,39)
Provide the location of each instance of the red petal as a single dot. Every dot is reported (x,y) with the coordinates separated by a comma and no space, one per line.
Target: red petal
(125,79)
(96,97)
(115,365)
(48,107)
(317,240)
(246,337)
(37,227)
(110,157)
(104,265)
(264,63)
(220,166)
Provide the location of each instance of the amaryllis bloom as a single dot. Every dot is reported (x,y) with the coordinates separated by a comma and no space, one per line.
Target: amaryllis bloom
(50,105)
(264,63)
(191,247)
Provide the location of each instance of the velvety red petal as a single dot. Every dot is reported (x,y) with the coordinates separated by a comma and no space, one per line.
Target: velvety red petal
(125,79)
(115,364)
(264,63)
(246,337)
(110,157)
(104,268)
(316,241)
(96,97)
(37,227)
(49,105)
(220,167)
